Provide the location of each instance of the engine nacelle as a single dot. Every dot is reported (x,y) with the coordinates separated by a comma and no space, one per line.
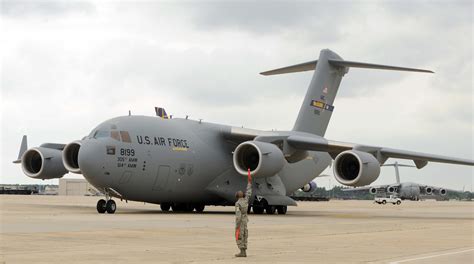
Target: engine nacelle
(263,159)
(43,163)
(356,168)
(70,157)
(309,187)
(428,190)
(442,192)
(373,190)
(391,189)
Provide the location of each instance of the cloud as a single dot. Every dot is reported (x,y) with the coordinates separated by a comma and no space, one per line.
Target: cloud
(49,8)
(95,60)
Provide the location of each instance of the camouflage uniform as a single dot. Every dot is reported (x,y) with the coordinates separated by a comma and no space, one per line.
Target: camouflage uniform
(241,219)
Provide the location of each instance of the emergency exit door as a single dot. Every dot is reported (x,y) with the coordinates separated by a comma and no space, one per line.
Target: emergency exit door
(162,177)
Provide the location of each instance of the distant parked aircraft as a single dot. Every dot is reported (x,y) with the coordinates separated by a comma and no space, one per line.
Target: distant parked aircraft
(404,190)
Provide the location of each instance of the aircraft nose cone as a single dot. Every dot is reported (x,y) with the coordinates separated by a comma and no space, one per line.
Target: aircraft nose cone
(91,158)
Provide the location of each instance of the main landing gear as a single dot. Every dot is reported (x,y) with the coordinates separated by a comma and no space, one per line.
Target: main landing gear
(182,207)
(269,209)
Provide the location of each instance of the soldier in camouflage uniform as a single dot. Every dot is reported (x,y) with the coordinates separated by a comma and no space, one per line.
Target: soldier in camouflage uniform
(241,219)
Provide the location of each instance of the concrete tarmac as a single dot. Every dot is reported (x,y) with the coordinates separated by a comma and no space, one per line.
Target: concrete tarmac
(60,229)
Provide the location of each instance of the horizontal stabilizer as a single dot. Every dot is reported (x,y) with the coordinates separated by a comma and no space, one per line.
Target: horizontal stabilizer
(306,66)
(311,65)
(354,64)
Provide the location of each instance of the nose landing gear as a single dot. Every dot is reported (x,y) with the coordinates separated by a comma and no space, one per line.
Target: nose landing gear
(108,205)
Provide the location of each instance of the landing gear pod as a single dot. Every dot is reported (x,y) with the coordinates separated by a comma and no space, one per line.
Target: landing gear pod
(263,159)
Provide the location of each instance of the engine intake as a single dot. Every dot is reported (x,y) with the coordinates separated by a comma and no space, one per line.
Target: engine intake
(356,168)
(373,190)
(428,190)
(70,157)
(43,163)
(263,159)
(391,189)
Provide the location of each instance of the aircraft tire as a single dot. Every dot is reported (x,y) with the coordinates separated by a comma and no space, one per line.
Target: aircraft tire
(101,206)
(270,209)
(199,208)
(177,207)
(258,209)
(111,206)
(165,207)
(188,208)
(282,209)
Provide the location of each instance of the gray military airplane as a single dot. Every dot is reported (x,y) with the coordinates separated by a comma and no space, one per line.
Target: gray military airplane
(185,165)
(403,190)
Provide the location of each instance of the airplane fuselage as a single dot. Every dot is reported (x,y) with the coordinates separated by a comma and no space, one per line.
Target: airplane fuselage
(177,160)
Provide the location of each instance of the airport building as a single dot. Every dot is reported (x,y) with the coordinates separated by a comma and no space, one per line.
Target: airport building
(76,187)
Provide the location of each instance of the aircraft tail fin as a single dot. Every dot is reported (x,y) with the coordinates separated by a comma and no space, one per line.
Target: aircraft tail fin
(317,106)
(23,148)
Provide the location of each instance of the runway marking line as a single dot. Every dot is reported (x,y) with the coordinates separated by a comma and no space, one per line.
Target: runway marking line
(432,256)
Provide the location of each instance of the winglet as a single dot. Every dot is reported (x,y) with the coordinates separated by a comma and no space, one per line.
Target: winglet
(23,148)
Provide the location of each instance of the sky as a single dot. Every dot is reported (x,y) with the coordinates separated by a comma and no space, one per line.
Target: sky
(66,66)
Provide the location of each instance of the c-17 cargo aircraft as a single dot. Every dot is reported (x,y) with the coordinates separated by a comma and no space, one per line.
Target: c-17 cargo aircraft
(403,190)
(185,165)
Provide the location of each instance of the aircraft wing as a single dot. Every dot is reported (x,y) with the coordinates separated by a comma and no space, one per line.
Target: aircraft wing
(381,153)
(304,141)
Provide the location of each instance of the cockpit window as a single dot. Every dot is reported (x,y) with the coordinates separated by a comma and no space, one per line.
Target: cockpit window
(115,135)
(125,137)
(101,134)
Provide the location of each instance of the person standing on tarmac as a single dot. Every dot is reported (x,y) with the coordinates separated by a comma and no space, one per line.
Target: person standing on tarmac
(241,219)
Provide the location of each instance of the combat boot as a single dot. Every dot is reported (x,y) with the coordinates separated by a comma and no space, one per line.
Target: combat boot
(242,254)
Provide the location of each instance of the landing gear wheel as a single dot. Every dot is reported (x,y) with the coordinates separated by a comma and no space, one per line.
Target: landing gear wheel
(111,206)
(188,208)
(281,209)
(177,208)
(199,208)
(101,206)
(270,209)
(257,209)
(165,207)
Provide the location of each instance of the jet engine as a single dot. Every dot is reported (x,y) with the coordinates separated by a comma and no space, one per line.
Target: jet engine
(356,168)
(442,192)
(309,187)
(428,190)
(263,159)
(391,189)
(373,190)
(70,157)
(43,163)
